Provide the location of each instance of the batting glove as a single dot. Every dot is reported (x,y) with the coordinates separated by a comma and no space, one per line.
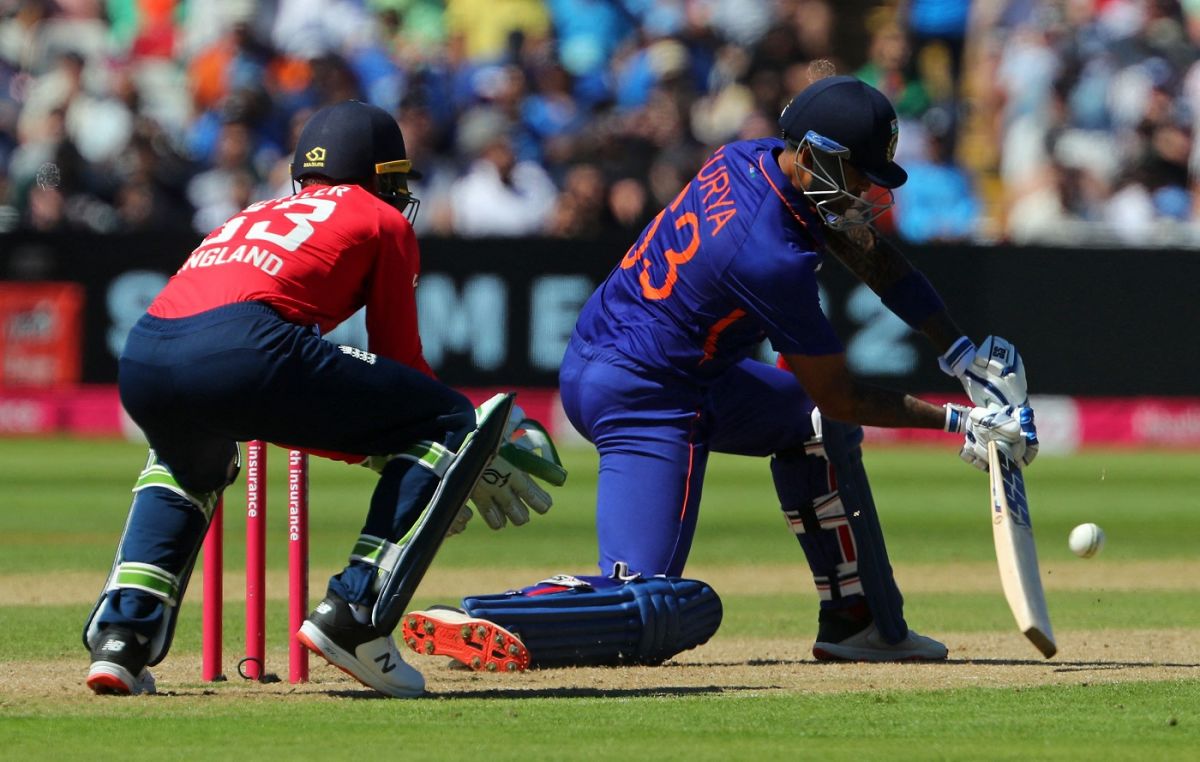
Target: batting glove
(1011,428)
(992,374)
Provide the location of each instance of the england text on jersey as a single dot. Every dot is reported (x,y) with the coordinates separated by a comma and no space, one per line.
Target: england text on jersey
(221,255)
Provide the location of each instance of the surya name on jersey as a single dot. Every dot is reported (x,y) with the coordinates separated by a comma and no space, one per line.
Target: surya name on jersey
(305,209)
(719,206)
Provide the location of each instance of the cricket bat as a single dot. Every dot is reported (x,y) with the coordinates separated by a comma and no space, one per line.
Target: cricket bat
(1016,554)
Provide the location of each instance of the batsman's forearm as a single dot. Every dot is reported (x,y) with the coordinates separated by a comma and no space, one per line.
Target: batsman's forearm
(870,256)
(906,291)
(942,331)
(869,405)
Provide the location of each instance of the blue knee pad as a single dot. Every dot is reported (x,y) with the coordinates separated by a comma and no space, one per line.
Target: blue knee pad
(639,621)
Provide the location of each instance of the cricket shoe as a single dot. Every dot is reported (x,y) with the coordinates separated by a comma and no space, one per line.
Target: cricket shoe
(119,664)
(333,633)
(477,643)
(851,635)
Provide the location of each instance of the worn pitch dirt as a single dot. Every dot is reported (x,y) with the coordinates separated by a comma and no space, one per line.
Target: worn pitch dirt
(726,666)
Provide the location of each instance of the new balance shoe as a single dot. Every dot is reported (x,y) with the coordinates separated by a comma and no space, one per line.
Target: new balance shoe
(358,649)
(851,635)
(476,643)
(119,664)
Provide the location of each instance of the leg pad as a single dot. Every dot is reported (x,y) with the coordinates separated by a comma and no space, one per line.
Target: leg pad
(641,621)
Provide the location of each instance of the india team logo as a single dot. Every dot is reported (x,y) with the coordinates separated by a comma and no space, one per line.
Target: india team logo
(891,149)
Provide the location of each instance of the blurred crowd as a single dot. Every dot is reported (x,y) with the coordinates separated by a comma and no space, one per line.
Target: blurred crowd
(1058,121)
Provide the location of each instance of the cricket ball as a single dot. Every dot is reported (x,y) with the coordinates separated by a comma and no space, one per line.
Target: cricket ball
(1086,540)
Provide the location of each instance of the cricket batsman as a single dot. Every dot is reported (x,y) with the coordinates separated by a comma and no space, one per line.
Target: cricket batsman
(658,374)
(231,351)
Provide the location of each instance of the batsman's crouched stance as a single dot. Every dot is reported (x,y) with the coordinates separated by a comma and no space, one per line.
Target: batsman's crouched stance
(659,373)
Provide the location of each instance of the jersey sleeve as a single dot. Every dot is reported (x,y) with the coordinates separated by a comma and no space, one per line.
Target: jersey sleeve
(778,286)
(392,299)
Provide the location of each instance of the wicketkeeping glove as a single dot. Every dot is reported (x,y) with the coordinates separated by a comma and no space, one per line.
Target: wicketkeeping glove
(505,492)
(1011,428)
(993,374)
(377,463)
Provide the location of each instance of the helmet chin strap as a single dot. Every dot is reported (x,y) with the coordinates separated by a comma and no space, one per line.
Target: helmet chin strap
(838,208)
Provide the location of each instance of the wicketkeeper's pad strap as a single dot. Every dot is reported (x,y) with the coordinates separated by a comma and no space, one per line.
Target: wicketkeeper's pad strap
(157,475)
(152,579)
(376,551)
(644,621)
(432,455)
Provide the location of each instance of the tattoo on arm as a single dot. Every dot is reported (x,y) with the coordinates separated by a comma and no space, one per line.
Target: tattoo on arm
(874,260)
(876,406)
(880,265)
(942,331)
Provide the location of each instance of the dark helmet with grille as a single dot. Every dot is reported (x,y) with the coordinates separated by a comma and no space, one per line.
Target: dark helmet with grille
(355,142)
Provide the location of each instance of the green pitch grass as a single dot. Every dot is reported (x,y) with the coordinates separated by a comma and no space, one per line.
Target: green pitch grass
(63,504)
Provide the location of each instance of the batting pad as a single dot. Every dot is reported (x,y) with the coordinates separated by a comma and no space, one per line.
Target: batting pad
(843,448)
(640,621)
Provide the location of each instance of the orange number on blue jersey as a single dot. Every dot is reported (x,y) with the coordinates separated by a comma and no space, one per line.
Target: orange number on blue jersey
(673,258)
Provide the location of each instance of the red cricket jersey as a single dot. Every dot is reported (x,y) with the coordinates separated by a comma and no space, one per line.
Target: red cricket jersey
(317,257)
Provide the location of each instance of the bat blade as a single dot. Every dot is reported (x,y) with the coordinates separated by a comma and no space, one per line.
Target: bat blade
(1016,554)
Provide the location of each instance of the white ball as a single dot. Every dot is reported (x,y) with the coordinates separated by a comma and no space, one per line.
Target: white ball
(1086,540)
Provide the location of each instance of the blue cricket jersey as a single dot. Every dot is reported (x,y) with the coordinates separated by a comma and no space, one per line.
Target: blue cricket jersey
(731,261)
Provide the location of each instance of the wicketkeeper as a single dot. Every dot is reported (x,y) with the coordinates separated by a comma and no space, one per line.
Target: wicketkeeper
(231,351)
(658,374)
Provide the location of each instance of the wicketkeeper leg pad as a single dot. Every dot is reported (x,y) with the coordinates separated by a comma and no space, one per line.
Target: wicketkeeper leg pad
(403,565)
(155,556)
(575,622)
(827,502)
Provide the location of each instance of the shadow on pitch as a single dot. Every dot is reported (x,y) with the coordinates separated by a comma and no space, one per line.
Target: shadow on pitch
(517,693)
(1072,666)
(1057,665)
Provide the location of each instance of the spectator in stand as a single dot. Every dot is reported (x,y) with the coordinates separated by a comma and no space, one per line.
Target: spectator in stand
(486,25)
(551,114)
(417,28)
(1093,104)
(580,208)
(938,203)
(499,195)
(887,71)
(934,24)
(149,175)
(629,205)
(588,36)
(216,192)
(1096,131)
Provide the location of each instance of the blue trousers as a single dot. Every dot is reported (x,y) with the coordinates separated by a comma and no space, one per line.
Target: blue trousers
(198,385)
(654,435)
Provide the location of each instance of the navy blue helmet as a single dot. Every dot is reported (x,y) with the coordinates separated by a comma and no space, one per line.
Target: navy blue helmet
(355,142)
(839,121)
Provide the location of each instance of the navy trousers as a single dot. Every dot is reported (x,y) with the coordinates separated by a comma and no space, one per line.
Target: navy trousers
(198,385)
